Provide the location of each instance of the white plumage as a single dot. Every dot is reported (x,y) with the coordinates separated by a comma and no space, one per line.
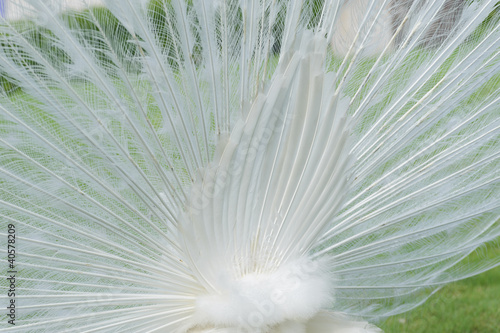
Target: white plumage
(245,166)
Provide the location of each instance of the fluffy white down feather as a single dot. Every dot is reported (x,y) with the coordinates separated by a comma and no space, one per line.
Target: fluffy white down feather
(323,322)
(294,292)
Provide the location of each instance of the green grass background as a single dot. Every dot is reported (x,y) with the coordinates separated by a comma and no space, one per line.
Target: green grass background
(468,306)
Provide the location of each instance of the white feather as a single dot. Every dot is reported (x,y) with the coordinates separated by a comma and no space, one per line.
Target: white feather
(261,166)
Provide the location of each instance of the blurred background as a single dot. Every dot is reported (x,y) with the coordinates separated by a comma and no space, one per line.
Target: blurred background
(10,9)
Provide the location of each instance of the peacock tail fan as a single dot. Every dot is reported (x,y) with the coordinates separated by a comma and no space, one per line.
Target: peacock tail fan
(244,166)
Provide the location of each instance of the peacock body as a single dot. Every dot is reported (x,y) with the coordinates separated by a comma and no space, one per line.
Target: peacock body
(245,166)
